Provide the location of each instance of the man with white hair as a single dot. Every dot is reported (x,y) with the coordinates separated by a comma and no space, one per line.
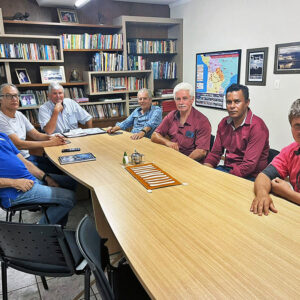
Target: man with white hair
(61,114)
(286,163)
(186,129)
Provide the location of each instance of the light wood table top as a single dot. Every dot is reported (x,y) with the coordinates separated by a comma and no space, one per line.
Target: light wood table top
(191,241)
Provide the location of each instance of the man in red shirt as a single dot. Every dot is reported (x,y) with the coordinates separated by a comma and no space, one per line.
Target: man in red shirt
(286,163)
(243,136)
(187,129)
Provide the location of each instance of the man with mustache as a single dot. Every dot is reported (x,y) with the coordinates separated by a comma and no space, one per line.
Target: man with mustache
(186,129)
(243,136)
(286,163)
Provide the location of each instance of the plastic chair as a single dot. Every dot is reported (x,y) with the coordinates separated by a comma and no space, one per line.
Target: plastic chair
(93,250)
(11,211)
(43,250)
(212,140)
(272,154)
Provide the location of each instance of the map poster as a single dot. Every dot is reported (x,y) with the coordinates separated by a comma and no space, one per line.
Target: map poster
(215,72)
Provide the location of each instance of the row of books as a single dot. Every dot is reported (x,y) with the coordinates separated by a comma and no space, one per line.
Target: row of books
(101,111)
(163,70)
(32,115)
(31,51)
(104,61)
(136,63)
(92,41)
(147,46)
(41,96)
(108,83)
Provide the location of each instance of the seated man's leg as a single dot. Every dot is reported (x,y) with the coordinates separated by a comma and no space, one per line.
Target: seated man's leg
(64,181)
(44,164)
(65,200)
(223,169)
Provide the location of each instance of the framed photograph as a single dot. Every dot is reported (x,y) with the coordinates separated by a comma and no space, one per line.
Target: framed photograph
(287,58)
(67,15)
(215,72)
(53,73)
(256,66)
(23,76)
(27,100)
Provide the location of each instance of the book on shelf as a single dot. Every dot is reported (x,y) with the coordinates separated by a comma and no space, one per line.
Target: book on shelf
(104,61)
(29,51)
(163,70)
(136,63)
(92,41)
(143,46)
(81,100)
(110,84)
(109,110)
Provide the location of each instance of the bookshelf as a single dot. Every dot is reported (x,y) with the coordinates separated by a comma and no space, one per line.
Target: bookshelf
(157,41)
(162,30)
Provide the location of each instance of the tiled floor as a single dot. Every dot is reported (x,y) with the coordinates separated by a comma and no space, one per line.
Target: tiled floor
(29,287)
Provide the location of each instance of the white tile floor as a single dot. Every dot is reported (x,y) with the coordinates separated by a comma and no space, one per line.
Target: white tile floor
(22,286)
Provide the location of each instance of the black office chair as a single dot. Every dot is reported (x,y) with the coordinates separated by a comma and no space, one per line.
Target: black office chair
(93,250)
(11,211)
(43,250)
(212,140)
(272,154)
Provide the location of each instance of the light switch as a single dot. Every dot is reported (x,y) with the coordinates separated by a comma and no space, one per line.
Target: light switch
(277,84)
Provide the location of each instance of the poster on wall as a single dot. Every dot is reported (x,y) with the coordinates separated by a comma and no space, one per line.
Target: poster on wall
(215,72)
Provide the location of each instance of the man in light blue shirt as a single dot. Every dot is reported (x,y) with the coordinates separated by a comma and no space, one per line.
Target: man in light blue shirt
(61,114)
(143,119)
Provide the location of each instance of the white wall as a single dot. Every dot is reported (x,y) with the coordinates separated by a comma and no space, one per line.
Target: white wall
(213,25)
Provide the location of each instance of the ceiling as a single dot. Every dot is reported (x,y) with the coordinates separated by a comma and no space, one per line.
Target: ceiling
(70,3)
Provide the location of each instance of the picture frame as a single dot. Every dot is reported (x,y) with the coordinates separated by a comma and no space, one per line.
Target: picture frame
(215,72)
(52,74)
(23,76)
(287,58)
(67,15)
(256,66)
(27,100)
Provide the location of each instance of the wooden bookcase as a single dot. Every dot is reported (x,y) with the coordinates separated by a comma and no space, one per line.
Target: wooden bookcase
(130,27)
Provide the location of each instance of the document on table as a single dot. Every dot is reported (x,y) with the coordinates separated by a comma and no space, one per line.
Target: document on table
(82,132)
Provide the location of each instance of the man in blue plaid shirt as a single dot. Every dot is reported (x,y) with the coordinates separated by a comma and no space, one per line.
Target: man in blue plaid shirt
(143,119)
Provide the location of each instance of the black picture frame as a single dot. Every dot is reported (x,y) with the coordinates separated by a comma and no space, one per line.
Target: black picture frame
(287,58)
(256,66)
(67,15)
(215,72)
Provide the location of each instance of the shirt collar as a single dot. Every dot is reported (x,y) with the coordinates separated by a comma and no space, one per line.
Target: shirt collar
(177,116)
(297,152)
(247,120)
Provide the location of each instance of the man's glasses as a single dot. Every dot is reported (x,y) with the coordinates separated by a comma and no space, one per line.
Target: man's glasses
(10,96)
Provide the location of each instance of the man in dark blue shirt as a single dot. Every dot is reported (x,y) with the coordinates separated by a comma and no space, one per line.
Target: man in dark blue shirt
(22,182)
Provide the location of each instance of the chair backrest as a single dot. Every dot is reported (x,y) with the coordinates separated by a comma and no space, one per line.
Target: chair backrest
(93,250)
(36,249)
(212,140)
(272,154)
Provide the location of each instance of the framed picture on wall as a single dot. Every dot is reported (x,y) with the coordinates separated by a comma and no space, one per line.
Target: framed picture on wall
(256,66)
(67,15)
(215,72)
(287,58)
(27,100)
(23,76)
(53,73)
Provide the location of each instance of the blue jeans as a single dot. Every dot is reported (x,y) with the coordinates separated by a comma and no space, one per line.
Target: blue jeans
(227,170)
(64,196)
(44,164)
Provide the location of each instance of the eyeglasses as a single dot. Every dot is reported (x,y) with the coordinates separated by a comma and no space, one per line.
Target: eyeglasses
(11,96)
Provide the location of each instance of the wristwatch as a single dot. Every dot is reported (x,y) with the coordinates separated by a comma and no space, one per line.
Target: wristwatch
(44,177)
(144,131)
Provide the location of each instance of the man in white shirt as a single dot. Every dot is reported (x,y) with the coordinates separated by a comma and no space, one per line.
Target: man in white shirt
(17,127)
(61,114)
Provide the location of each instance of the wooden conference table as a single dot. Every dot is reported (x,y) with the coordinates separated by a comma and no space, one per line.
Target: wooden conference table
(189,241)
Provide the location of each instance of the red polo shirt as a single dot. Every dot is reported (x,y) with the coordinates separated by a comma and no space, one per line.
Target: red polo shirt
(287,163)
(247,147)
(193,134)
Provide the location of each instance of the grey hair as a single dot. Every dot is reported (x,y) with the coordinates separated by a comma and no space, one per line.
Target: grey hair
(4,85)
(294,110)
(144,90)
(54,86)
(184,86)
